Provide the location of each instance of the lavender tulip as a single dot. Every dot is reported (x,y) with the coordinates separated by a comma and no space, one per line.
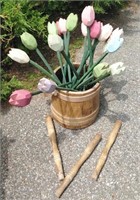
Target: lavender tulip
(46,85)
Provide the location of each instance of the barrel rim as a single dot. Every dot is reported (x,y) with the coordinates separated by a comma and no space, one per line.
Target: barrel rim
(94,88)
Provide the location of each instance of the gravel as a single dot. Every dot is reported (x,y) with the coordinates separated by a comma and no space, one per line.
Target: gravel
(28,171)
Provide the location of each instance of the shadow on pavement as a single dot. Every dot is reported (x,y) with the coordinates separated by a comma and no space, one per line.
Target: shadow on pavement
(4,145)
(114,88)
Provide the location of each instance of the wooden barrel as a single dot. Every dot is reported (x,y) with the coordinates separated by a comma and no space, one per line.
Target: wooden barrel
(75,110)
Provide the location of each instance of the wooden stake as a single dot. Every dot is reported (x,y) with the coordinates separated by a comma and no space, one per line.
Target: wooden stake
(56,154)
(105,152)
(70,176)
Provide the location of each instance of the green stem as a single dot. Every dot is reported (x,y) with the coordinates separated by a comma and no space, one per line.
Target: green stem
(61,65)
(70,64)
(67,89)
(44,71)
(36,92)
(46,64)
(89,47)
(64,84)
(85,82)
(84,58)
(67,40)
(92,82)
(90,70)
(83,61)
(96,42)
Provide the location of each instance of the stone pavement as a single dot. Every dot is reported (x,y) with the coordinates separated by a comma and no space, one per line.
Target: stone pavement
(28,169)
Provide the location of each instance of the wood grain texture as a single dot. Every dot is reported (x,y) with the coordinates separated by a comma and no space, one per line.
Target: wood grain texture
(104,155)
(55,150)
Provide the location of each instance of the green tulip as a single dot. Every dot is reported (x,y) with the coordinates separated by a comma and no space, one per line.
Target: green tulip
(100,69)
(71,22)
(52,29)
(28,41)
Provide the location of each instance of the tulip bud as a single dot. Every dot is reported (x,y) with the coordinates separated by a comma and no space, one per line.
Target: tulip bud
(55,42)
(20,98)
(52,29)
(100,69)
(18,55)
(95,29)
(116,68)
(46,85)
(88,15)
(106,31)
(61,26)
(28,41)
(71,22)
(84,29)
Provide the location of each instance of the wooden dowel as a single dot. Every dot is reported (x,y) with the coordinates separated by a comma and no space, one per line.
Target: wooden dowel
(70,176)
(102,159)
(55,150)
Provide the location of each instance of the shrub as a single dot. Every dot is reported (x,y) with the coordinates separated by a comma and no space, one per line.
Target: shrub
(8,85)
(104,6)
(18,16)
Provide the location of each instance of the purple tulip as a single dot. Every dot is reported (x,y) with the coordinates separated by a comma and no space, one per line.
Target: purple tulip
(20,98)
(46,85)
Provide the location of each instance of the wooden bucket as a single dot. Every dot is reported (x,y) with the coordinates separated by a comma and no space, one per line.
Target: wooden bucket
(75,110)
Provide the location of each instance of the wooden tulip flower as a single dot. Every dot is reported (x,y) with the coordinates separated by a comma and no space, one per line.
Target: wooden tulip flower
(20,98)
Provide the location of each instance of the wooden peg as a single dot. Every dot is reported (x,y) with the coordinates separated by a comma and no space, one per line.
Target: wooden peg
(102,159)
(55,150)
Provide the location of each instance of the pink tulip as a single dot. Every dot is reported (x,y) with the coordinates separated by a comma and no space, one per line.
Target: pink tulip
(84,29)
(20,98)
(95,29)
(106,31)
(88,15)
(46,85)
(61,26)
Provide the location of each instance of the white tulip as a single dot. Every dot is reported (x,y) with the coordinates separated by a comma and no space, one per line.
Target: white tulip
(84,29)
(117,33)
(55,42)
(106,31)
(18,55)
(116,68)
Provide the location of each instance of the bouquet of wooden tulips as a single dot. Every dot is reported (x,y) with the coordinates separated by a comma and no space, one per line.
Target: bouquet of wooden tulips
(89,71)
